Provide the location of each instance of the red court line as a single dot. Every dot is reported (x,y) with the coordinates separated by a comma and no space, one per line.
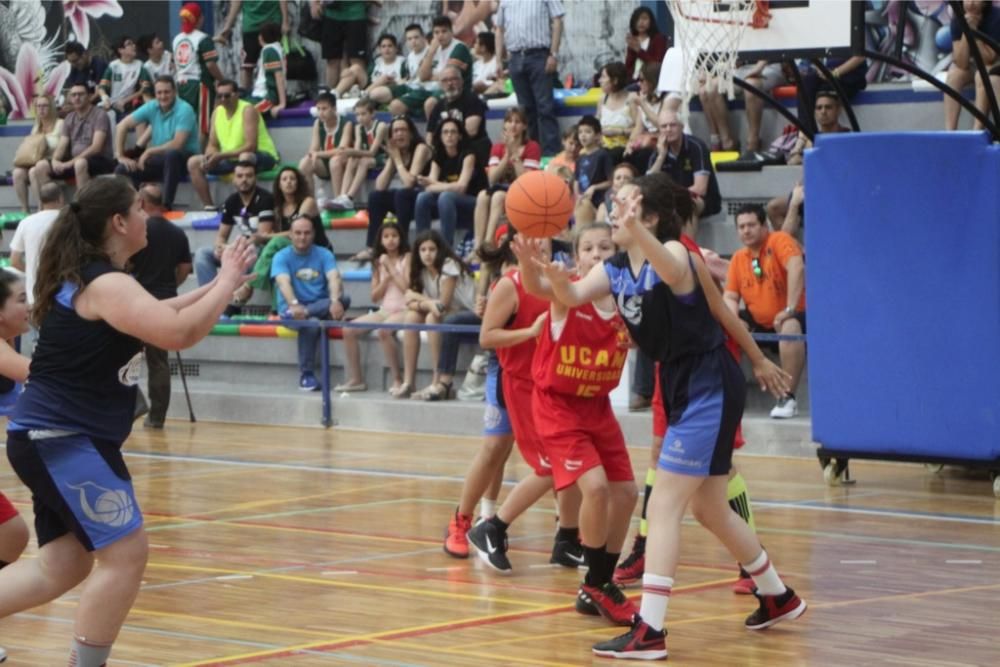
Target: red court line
(409,634)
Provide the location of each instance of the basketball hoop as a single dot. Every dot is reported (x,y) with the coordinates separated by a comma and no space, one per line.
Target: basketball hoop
(708,33)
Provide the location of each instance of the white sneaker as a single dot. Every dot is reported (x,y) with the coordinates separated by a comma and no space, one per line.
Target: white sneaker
(785,408)
(3,655)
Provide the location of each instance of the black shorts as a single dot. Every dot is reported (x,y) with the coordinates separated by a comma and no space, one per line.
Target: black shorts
(96,166)
(758,328)
(345,39)
(251,49)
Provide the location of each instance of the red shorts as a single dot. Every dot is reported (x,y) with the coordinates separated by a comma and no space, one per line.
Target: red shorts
(660,413)
(517,399)
(7,511)
(580,434)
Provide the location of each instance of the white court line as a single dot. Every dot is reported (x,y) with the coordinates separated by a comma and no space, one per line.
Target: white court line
(964,562)
(858,562)
(233,577)
(338,573)
(446,569)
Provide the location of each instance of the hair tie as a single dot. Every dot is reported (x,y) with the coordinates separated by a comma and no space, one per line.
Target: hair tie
(75,206)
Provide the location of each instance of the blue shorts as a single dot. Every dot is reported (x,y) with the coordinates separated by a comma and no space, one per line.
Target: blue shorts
(79,485)
(495,419)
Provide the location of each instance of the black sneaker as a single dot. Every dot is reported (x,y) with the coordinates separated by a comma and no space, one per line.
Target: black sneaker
(640,643)
(630,570)
(568,553)
(232,310)
(491,546)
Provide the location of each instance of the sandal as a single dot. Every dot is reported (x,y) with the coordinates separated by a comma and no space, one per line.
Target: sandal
(439,391)
(351,386)
(362,256)
(402,391)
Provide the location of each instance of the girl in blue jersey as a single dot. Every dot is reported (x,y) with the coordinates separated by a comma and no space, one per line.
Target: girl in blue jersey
(66,431)
(674,311)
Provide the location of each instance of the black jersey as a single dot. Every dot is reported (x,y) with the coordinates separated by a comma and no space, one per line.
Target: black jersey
(83,373)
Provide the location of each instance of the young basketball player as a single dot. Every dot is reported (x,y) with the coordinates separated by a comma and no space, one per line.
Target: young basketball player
(66,431)
(579,361)
(511,325)
(673,311)
(499,429)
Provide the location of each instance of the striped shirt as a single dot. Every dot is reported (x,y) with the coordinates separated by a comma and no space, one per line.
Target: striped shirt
(527,24)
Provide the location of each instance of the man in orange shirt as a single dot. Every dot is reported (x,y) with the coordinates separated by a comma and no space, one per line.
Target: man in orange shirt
(768,275)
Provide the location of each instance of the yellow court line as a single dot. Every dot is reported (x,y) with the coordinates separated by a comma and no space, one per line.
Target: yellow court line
(340,583)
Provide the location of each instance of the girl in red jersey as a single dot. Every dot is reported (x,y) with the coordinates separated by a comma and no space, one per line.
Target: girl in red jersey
(579,361)
(511,325)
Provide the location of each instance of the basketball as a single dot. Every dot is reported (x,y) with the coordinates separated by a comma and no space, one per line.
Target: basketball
(539,204)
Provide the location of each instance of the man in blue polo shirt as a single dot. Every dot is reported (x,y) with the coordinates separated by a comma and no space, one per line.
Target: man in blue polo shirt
(308,286)
(174,139)
(687,160)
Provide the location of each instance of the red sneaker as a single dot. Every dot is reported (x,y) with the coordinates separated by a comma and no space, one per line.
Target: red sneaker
(609,601)
(455,543)
(640,643)
(744,585)
(774,609)
(631,569)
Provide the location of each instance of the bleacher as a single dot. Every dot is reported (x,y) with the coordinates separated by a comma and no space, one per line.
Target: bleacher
(254,379)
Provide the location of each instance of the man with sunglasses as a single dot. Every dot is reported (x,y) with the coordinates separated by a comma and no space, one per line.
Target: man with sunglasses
(236,134)
(768,275)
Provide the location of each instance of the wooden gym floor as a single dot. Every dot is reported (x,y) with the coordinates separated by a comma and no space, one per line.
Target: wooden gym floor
(300,547)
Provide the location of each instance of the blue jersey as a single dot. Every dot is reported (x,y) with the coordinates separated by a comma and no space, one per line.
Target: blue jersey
(83,373)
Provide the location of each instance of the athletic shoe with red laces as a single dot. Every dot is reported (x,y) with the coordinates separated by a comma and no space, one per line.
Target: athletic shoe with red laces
(640,643)
(630,570)
(774,609)
(455,543)
(607,600)
(744,585)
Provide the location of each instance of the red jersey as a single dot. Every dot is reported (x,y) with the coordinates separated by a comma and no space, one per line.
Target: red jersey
(587,358)
(516,360)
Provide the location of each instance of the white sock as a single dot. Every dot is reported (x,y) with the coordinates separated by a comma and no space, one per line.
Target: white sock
(764,575)
(88,655)
(655,598)
(487,507)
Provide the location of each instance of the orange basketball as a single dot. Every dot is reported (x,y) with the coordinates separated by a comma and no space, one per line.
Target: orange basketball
(539,204)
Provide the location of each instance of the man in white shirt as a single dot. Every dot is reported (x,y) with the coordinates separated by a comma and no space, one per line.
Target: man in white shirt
(26,246)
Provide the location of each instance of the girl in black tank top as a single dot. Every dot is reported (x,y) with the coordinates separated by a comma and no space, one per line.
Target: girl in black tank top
(67,429)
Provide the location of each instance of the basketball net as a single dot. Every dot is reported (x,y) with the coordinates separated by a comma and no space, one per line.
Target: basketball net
(708,33)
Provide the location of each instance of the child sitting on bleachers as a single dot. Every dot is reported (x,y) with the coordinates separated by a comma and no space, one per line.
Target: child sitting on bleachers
(269,88)
(332,134)
(485,67)
(570,151)
(388,69)
(593,170)
(368,152)
(623,174)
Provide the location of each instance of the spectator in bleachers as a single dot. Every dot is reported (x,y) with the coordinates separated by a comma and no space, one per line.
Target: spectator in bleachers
(120,88)
(440,285)
(197,66)
(174,139)
(768,275)
(796,215)
(457,176)
(388,70)
(255,14)
(852,74)
(85,69)
(406,96)
(160,267)
(648,104)
(444,50)
(29,237)
(982,16)
(344,41)
(486,68)
(645,44)
(461,105)
(509,158)
(308,287)
(593,170)
(623,174)
(408,158)
(292,199)
(49,125)
(250,208)
(762,75)
(368,153)
(269,93)
(688,161)
(85,144)
(236,134)
(159,62)
(390,280)
(331,135)
(616,110)
(570,152)
(528,36)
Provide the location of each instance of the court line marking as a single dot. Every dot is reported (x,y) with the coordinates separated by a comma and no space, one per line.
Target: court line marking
(871,511)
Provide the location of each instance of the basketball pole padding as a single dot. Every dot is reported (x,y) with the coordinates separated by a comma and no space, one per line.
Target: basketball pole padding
(903,294)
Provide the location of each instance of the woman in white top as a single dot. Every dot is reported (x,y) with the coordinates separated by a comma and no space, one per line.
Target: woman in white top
(47,122)
(440,285)
(616,110)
